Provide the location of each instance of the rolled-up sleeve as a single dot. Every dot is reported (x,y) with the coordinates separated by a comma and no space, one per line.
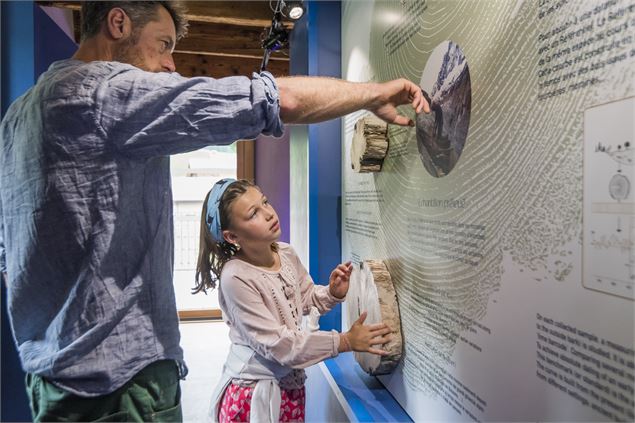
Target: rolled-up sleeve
(267,336)
(151,114)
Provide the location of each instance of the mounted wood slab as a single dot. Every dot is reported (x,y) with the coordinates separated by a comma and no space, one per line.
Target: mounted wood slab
(371,290)
(370,144)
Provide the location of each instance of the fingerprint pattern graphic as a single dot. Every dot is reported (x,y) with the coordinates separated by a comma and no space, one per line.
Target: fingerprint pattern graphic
(516,190)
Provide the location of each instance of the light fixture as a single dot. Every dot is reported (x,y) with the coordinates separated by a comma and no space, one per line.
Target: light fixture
(276,36)
(292,9)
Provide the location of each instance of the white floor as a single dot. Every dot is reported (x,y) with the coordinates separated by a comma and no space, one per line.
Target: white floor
(205,345)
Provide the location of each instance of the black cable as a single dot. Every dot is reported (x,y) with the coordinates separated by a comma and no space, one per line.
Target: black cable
(276,38)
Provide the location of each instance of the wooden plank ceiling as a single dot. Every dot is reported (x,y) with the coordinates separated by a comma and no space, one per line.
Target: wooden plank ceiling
(224,38)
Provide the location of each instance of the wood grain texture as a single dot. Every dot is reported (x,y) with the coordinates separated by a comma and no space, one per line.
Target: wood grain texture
(370,144)
(372,291)
(221,66)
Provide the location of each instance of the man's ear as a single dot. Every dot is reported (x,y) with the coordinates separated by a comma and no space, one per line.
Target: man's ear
(118,23)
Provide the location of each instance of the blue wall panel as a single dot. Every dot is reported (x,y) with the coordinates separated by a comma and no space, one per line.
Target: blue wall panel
(50,43)
(17,50)
(30,42)
(320,38)
(325,180)
(17,77)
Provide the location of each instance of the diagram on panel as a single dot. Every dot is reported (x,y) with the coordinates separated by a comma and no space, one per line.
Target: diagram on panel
(609,206)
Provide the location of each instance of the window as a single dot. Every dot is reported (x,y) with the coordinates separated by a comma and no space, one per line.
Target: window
(193,175)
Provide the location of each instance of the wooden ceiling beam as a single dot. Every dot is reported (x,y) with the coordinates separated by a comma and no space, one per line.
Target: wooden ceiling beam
(204,38)
(72,5)
(224,38)
(236,13)
(240,13)
(218,67)
(244,56)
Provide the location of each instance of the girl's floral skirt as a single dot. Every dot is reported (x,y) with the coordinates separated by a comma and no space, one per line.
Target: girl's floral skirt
(236,404)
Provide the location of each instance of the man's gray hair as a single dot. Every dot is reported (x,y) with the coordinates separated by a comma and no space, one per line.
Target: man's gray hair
(139,12)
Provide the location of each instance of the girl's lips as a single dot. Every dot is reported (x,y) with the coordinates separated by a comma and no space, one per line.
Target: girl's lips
(275,226)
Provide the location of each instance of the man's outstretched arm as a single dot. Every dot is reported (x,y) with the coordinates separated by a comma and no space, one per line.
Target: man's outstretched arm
(316,99)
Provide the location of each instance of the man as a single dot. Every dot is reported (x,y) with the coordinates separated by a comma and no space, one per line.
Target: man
(86,235)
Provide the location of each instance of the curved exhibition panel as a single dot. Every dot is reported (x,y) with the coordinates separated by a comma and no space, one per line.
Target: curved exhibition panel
(506,216)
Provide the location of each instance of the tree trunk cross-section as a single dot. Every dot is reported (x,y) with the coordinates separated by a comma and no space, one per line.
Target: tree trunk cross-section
(371,290)
(370,144)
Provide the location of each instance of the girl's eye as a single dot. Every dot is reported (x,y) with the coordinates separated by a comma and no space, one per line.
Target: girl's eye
(164,45)
(265,201)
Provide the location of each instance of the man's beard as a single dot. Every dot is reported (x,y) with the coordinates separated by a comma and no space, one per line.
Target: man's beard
(128,52)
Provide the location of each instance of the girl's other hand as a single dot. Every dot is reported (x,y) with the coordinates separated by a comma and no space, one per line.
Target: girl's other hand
(362,337)
(339,280)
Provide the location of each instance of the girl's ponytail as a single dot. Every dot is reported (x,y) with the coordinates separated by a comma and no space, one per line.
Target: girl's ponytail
(213,255)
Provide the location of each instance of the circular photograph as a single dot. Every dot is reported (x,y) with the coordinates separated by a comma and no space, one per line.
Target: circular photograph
(446,85)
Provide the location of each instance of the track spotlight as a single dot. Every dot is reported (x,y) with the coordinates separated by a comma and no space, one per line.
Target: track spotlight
(276,36)
(292,9)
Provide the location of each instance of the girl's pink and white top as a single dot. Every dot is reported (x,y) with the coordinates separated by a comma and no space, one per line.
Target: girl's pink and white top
(264,310)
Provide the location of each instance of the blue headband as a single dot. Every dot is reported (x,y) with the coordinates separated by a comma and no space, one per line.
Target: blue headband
(213,214)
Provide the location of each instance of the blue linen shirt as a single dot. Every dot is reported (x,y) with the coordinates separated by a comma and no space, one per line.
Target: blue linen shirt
(86,233)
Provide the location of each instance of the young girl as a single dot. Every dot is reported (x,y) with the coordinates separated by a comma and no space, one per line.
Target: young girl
(263,292)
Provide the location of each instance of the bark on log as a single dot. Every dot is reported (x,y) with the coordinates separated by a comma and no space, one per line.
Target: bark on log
(371,290)
(370,144)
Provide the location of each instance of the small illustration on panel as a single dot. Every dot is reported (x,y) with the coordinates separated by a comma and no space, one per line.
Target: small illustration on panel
(609,203)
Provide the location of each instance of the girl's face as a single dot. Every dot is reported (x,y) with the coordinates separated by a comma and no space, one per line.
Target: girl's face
(253,220)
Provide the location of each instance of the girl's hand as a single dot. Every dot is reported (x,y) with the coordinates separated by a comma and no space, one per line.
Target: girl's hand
(339,280)
(362,337)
